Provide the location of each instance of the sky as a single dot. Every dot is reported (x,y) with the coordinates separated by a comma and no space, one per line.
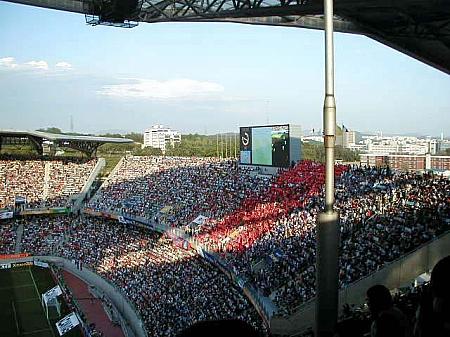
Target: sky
(204,78)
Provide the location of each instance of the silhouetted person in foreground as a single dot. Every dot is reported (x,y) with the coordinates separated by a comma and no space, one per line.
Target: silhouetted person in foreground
(388,320)
(225,328)
(433,314)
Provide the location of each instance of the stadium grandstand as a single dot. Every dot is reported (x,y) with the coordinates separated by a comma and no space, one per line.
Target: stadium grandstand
(171,246)
(183,240)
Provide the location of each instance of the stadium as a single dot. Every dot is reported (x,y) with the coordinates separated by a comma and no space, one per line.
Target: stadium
(247,245)
(169,241)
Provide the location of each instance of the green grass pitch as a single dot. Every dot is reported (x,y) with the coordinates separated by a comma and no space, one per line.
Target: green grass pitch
(21,312)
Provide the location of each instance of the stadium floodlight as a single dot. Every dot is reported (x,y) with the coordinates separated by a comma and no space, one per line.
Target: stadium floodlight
(328,222)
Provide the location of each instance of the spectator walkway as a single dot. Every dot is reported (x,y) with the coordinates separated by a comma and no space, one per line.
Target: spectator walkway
(92,307)
(19,233)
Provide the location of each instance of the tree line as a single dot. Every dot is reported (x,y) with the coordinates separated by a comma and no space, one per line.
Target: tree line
(220,145)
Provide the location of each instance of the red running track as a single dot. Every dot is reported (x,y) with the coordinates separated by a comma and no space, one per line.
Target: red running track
(92,307)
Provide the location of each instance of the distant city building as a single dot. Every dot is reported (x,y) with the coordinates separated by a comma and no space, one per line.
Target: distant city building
(444,145)
(385,145)
(348,139)
(161,137)
(407,162)
(396,145)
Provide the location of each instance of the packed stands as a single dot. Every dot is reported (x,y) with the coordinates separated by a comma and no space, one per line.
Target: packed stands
(259,212)
(171,287)
(268,234)
(43,182)
(23,178)
(383,216)
(67,179)
(7,238)
(42,234)
(262,227)
(143,186)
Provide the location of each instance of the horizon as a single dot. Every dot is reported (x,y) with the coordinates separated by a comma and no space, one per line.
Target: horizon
(123,133)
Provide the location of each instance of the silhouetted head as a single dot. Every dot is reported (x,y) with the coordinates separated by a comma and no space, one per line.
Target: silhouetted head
(440,284)
(378,298)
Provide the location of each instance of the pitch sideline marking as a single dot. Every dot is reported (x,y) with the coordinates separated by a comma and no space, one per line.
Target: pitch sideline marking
(37,292)
(15,287)
(15,318)
(35,331)
(29,300)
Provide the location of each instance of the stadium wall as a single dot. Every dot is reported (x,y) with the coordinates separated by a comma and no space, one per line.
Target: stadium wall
(135,325)
(395,275)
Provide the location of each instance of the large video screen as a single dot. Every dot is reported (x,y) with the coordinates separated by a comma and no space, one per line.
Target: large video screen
(265,145)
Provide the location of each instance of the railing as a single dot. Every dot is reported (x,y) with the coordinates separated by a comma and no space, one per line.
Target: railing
(124,297)
(98,192)
(387,265)
(73,301)
(263,305)
(393,275)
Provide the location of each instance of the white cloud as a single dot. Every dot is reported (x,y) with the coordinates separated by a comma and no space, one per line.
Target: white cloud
(63,65)
(40,65)
(160,90)
(8,62)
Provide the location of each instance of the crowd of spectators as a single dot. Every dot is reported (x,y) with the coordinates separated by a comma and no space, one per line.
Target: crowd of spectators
(184,187)
(7,238)
(419,310)
(42,182)
(43,234)
(383,216)
(170,287)
(67,178)
(23,178)
(263,228)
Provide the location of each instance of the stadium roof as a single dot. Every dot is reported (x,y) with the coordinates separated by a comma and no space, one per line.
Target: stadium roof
(85,144)
(418,28)
(62,137)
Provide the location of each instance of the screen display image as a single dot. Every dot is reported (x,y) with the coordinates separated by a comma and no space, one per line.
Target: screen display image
(280,146)
(265,145)
(262,146)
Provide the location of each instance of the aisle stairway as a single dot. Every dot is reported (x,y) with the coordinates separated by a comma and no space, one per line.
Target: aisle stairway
(19,234)
(46,180)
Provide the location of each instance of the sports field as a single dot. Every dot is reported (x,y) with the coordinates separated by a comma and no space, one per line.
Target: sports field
(21,312)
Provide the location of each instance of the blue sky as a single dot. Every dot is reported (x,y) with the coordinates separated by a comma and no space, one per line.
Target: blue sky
(199,77)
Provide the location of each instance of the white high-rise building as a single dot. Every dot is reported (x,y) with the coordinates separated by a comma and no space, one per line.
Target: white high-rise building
(159,136)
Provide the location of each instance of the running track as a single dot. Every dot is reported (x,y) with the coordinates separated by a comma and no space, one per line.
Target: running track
(92,307)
